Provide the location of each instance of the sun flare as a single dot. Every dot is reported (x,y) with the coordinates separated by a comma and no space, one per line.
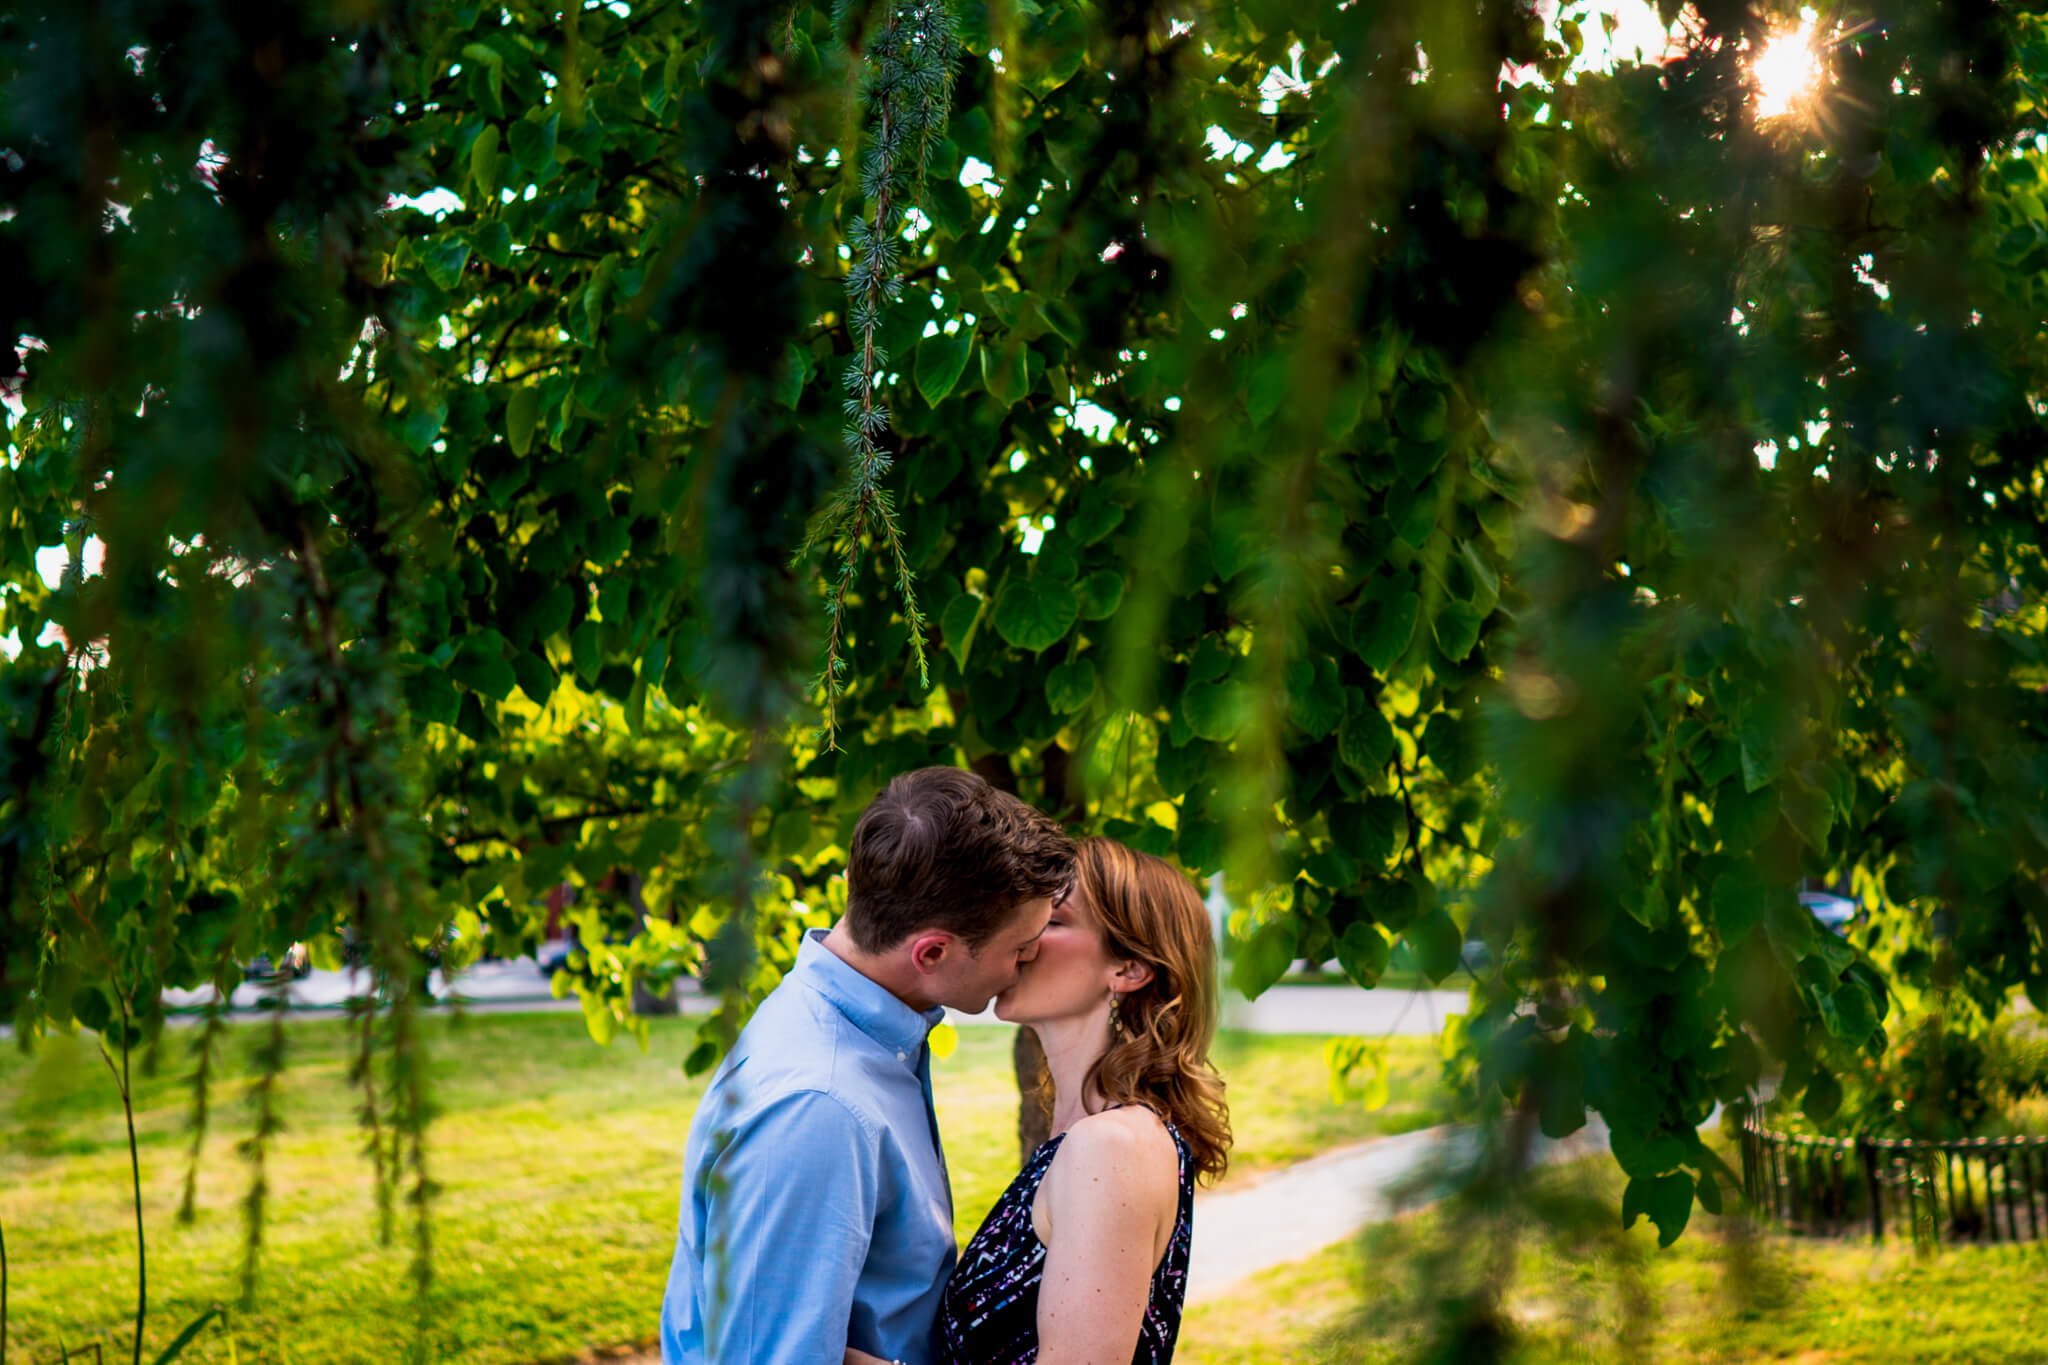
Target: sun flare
(1787,72)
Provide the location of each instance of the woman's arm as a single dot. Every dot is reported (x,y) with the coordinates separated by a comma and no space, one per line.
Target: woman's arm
(854,1357)
(1112,1195)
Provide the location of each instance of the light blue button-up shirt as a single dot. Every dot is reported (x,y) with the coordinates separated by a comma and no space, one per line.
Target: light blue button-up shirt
(816,1212)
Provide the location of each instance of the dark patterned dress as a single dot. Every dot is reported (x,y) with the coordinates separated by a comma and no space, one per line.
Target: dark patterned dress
(989,1315)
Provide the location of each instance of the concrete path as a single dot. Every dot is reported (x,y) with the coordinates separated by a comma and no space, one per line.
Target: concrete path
(1332,1198)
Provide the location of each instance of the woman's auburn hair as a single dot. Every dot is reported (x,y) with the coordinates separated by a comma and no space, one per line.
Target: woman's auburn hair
(1149,912)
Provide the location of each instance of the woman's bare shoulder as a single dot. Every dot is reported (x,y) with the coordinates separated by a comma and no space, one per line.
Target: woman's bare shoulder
(1125,1143)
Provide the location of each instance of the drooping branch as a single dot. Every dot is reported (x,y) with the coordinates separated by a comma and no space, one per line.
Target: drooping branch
(122,1083)
(907,91)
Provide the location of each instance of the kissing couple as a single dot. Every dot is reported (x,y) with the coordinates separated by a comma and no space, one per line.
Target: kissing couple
(817,1216)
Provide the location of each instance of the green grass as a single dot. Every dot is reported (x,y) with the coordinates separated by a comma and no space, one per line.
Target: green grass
(1595,1294)
(558,1163)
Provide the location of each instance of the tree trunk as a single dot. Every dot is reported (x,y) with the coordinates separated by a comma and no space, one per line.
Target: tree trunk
(1034,1102)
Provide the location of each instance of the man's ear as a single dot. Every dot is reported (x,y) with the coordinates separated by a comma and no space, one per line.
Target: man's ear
(1131,975)
(928,949)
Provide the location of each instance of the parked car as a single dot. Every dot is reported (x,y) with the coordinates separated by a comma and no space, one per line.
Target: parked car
(1834,913)
(294,964)
(554,953)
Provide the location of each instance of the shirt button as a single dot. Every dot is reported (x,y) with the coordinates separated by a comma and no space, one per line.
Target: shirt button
(902,1056)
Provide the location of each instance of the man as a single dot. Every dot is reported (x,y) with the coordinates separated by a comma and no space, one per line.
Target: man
(816,1211)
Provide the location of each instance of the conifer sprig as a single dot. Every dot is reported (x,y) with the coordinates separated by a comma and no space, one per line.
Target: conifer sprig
(907,95)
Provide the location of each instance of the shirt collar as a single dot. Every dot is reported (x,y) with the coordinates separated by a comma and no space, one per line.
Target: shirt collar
(872,1007)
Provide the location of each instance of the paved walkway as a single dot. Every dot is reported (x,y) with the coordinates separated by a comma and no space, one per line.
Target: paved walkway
(1332,1198)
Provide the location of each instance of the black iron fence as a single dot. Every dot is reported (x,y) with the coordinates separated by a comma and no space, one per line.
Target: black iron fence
(1971,1190)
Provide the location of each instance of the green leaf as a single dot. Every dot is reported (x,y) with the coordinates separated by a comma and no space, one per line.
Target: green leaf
(1742,818)
(1391,901)
(636,706)
(493,243)
(536,677)
(1034,613)
(1096,519)
(1210,661)
(1421,413)
(1457,629)
(483,163)
(957,625)
(1436,943)
(548,616)
(445,260)
(1363,950)
(522,412)
(1648,904)
(584,651)
(1201,843)
(1485,582)
(790,378)
(1710,1193)
(1102,592)
(790,832)
(1267,386)
(479,664)
(1331,867)
(1788,924)
(1069,687)
(1263,958)
(1414,522)
(1447,741)
(1809,811)
(533,142)
(1665,1199)
(1315,697)
(1061,317)
(1823,1096)
(599,1019)
(1235,544)
(1849,1014)
(1372,831)
(1214,711)
(1738,898)
(1760,756)
(1382,629)
(662,837)
(421,426)
(940,361)
(1004,373)
(1366,741)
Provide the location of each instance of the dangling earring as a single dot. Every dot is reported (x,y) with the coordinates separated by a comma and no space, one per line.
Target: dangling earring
(1116,1025)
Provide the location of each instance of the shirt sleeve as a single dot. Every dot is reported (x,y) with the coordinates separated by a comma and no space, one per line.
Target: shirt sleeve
(789,1210)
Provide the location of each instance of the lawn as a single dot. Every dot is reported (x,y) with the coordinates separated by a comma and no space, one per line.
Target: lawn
(557,1160)
(1596,1294)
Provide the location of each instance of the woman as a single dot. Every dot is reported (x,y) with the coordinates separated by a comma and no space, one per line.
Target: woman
(1085,1256)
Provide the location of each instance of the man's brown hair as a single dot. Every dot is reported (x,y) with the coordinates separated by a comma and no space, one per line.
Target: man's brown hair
(942,849)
